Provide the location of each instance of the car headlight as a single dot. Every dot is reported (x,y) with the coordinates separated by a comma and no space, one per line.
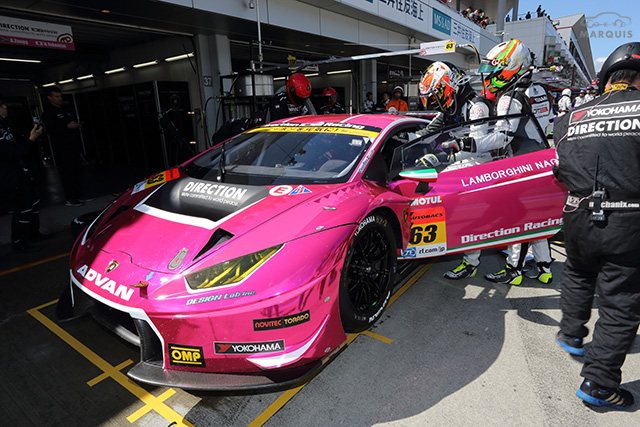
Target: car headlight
(229,272)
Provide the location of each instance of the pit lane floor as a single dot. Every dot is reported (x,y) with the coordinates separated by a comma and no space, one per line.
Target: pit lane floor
(444,353)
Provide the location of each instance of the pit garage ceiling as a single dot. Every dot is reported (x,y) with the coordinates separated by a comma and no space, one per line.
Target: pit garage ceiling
(102,26)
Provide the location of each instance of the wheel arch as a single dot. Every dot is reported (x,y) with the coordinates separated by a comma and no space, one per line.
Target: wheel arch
(390,216)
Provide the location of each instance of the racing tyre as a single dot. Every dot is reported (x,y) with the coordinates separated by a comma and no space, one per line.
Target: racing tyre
(368,274)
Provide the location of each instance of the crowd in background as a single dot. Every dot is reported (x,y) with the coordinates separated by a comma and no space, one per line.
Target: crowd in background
(477,16)
(539,14)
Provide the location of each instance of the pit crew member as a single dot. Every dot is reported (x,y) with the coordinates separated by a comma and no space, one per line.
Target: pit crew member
(330,102)
(293,101)
(564,105)
(397,103)
(601,170)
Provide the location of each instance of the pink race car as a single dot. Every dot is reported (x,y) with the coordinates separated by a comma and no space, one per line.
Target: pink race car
(246,266)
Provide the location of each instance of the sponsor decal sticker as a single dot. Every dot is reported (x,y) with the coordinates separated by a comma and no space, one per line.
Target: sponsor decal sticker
(506,174)
(428,232)
(103,282)
(186,355)
(409,253)
(335,128)
(300,189)
(220,297)
(507,233)
(211,192)
(157,179)
(280,190)
(248,347)
(431,200)
(281,322)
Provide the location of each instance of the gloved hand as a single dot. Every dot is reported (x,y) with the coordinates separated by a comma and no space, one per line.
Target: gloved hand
(459,144)
(428,161)
(452,146)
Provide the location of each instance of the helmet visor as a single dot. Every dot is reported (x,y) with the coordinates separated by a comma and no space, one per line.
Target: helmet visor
(487,67)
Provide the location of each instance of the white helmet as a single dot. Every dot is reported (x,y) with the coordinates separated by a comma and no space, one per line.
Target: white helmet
(566,92)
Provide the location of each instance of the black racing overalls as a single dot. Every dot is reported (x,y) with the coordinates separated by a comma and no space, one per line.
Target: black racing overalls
(598,147)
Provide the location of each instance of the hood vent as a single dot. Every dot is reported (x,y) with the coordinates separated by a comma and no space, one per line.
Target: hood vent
(218,237)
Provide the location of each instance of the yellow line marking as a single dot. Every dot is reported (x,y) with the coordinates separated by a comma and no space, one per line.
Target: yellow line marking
(33,264)
(275,406)
(410,282)
(151,405)
(287,395)
(377,336)
(117,376)
(106,375)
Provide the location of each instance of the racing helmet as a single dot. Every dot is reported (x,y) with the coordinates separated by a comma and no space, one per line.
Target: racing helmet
(626,56)
(298,88)
(441,83)
(502,67)
(329,96)
(566,92)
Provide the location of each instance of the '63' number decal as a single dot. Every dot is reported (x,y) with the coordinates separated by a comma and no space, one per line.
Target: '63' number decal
(423,234)
(428,233)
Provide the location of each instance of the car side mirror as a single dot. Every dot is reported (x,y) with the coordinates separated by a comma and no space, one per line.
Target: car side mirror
(422,176)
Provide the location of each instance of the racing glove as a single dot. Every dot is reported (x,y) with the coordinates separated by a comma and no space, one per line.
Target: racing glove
(432,160)
(459,144)
(428,161)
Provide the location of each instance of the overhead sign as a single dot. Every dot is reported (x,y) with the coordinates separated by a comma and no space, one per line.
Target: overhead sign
(294,63)
(464,34)
(441,22)
(437,48)
(21,32)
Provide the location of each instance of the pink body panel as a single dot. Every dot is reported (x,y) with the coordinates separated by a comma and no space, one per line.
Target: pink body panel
(497,203)
(463,210)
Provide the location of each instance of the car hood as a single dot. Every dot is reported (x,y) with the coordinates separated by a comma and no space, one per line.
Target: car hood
(186,220)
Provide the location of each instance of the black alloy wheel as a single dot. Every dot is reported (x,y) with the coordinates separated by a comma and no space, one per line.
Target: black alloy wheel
(368,274)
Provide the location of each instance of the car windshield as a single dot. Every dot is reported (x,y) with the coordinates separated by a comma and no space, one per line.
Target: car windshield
(521,134)
(286,154)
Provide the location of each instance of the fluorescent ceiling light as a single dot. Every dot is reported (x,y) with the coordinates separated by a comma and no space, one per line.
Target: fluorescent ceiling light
(65,81)
(338,72)
(311,75)
(88,76)
(49,84)
(146,64)
(116,70)
(278,78)
(176,58)
(35,61)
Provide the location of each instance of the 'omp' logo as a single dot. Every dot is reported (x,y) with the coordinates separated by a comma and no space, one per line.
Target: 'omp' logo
(186,355)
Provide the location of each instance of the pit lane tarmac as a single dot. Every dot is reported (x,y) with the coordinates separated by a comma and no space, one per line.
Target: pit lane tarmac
(444,353)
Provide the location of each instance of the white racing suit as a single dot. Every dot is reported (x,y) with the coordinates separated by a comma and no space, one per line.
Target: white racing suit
(564,105)
(532,99)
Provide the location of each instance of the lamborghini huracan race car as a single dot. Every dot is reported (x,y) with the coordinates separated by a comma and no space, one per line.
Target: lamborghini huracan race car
(247,266)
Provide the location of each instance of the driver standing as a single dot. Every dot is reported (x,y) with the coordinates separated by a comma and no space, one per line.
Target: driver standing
(507,81)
